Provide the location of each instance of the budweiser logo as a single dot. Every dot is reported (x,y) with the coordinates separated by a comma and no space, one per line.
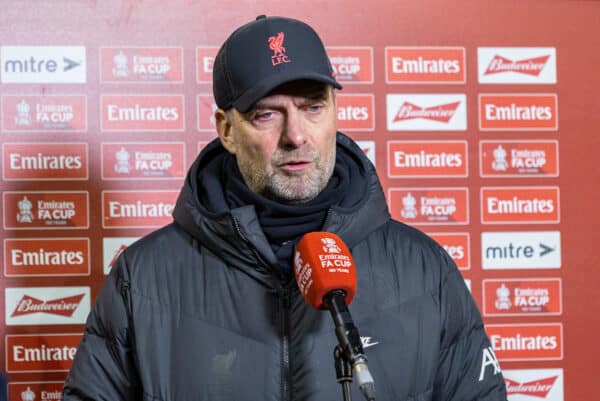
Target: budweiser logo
(531,66)
(534,388)
(442,113)
(61,307)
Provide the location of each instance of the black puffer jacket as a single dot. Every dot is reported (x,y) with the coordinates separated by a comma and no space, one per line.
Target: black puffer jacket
(197,311)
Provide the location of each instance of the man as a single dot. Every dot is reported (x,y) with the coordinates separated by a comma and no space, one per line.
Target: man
(207,308)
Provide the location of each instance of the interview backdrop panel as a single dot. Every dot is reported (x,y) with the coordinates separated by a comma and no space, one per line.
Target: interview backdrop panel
(481,118)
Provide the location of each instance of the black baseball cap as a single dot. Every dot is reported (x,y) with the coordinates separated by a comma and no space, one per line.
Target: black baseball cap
(264,54)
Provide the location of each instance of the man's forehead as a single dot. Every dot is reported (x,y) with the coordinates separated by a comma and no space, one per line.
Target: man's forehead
(303,89)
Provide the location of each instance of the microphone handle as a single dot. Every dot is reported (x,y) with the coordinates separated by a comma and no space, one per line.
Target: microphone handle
(345,330)
(349,340)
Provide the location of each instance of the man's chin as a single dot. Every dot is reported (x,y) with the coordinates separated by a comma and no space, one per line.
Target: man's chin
(292,195)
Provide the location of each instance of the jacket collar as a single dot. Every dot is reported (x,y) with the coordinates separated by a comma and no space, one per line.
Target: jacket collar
(235,234)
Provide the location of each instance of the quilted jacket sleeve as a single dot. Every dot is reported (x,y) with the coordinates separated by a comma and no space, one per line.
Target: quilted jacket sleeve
(468,369)
(104,366)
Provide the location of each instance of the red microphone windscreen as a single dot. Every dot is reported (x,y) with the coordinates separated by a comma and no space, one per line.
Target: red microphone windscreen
(323,263)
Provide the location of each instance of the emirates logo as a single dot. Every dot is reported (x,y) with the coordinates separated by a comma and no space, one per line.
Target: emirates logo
(276,45)
(61,307)
(530,66)
(442,113)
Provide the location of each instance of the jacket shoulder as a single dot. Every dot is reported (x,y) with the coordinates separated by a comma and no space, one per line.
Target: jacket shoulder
(151,256)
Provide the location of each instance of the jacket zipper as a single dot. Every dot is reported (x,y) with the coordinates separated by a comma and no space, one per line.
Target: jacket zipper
(124,290)
(327,217)
(285,344)
(284,302)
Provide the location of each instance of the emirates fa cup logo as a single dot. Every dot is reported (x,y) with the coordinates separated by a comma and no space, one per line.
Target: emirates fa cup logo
(408,207)
(120,69)
(330,246)
(503,298)
(122,165)
(27,395)
(25,215)
(23,117)
(499,163)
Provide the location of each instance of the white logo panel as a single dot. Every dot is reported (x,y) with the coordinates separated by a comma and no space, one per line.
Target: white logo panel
(47,305)
(368,148)
(43,64)
(534,384)
(112,248)
(430,112)
(516,65)
(520,250)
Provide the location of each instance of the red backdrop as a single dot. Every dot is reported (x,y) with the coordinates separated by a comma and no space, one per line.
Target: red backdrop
(481,118)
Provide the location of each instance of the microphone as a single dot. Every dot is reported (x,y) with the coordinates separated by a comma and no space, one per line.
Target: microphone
(326,276)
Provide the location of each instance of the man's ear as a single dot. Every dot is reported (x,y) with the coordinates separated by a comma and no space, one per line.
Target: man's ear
(225,130)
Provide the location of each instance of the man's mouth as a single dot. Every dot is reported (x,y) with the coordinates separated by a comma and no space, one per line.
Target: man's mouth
(295,165)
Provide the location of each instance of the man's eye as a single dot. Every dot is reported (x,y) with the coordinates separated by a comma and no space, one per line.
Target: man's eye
(314,108)
(267,115)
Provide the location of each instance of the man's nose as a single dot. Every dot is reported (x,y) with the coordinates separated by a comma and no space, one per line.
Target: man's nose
(293,134)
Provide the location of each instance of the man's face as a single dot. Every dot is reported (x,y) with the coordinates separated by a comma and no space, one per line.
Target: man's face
(285,145)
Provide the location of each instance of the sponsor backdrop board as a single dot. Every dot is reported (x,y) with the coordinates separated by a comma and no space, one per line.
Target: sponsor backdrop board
(482,120)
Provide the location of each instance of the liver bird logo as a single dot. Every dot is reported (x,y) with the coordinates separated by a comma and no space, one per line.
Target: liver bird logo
(276,44)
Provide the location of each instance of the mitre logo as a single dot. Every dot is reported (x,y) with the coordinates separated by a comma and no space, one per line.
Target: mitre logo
(415,159)
(517,65)
(534,384)
(524,342)
(46,257)
(521,297)
(504,250)
(35,391)
(426,112)
(513,205)
(43,64)
(141,64)
(518,112)
(143,160)
(276,44)
(47,113)
(47,305)
(45,161)
(457,245)
(142,113)
(519,158)
(428,206)
(433,65)
(137,209)
(40,352)
(352,65)
(52,209)
(356,112)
